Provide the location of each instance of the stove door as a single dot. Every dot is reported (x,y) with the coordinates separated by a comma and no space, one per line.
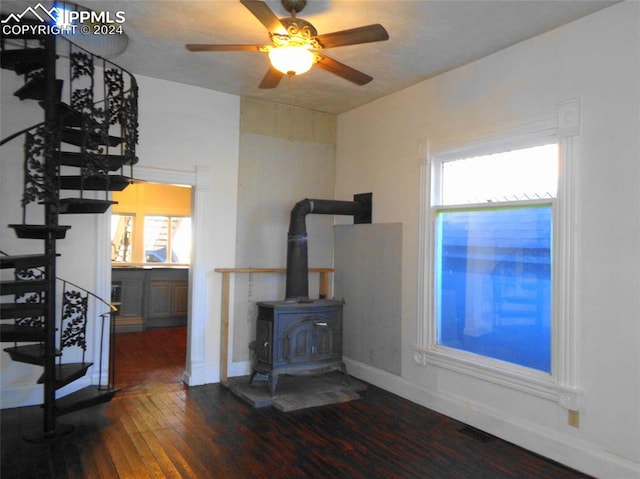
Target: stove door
(310,340)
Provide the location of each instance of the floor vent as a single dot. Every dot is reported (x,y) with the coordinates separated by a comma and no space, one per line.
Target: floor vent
(477,434)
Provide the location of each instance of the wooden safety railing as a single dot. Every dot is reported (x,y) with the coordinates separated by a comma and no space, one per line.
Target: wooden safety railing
(323,291)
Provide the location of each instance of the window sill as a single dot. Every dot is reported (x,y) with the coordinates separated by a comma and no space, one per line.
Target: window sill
(532,382)
(148,265)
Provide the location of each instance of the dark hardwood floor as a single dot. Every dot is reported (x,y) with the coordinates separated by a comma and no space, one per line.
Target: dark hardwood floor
(155,428)
(150,359)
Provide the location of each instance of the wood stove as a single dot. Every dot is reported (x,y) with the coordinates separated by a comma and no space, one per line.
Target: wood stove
(299,335)
(295,338)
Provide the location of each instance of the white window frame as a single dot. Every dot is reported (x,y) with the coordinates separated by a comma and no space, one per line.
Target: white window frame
(561,384)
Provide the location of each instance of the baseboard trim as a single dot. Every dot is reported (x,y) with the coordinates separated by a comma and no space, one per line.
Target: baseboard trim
(575,453)
(23,396)
(32,394)
(201,373)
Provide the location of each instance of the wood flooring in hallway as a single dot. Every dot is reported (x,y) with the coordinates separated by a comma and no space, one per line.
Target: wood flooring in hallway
(157,428)
(150,359)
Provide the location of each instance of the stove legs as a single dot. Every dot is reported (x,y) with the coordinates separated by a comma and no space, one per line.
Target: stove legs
(273,377)
(343,370)
(273,382)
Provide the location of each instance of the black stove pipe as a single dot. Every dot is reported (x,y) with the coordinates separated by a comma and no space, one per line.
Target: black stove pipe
(297,281)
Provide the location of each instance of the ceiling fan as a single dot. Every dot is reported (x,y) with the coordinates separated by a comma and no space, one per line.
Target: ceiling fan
(296,46)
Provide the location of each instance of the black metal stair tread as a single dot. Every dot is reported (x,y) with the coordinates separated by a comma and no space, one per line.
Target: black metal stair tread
(95,183)
(30,354)
(11,333)
(23,60)
(84,398)
(67,115)
(40,231)
(75,136)
(22,310)
(78,159)
(67,373)
(24,261)
(70,206)
(21,286)
(35,89)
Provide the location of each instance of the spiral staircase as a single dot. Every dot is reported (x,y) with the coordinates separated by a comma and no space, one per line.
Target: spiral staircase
(82,150)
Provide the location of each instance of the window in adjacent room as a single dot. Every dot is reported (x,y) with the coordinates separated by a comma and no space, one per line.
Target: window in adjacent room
(151,225)
(121,238)
(167,239)
(493,227)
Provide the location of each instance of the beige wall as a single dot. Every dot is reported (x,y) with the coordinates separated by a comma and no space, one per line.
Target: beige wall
(286,154)
(150,198)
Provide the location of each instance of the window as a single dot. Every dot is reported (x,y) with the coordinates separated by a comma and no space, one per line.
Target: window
(122,238)
(151,225)
(164,234)
(497,256)
(493,255)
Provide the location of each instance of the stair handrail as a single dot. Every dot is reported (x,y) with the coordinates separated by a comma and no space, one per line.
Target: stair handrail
(116,107)
(112,307)
(131,90)
(131,75)
(42,150)
(124,95)
(19,133)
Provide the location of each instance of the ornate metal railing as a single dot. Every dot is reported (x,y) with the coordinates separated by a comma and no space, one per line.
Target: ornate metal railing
(75,304)
(74,314)
(39,182)
(101,114)
(114,113)
(31,297)
(91,109)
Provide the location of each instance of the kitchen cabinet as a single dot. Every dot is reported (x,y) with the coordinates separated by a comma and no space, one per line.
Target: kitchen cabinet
(149,297)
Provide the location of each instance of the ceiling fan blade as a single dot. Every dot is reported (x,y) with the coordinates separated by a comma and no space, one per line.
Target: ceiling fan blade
(263,13)
(271,79)
(353,36)
(203,47)
(344,71)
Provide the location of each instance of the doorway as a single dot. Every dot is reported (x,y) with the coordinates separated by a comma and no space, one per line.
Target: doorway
(150,235)
(150,360)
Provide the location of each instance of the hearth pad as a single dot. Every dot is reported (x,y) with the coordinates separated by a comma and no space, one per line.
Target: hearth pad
(297,392)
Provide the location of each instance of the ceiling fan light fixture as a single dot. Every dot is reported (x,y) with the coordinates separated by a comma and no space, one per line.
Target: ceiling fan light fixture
(296,46)
(292,60)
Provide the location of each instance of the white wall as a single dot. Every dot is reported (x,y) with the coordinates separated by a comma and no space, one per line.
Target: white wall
(596,60)
(182,129)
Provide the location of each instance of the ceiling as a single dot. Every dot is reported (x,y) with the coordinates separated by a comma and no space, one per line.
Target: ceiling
(427,37)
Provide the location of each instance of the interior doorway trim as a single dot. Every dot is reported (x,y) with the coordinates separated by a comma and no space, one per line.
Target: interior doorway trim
(198,180)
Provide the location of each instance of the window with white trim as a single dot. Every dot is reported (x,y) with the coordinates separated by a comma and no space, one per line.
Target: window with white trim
(451,221)
(493,230)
